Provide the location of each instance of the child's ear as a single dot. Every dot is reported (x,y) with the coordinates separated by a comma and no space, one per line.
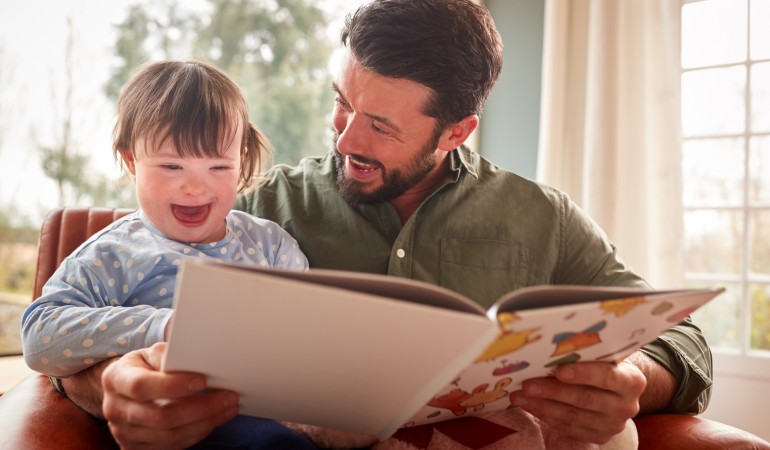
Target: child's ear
(128,160)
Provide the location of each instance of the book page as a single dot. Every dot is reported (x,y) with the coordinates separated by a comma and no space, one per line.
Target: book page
(532,342)
(316,354)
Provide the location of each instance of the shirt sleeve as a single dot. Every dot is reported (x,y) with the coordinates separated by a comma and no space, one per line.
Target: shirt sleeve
(77,323)
(588,257)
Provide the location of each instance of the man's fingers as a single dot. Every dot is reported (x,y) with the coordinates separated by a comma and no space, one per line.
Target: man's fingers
(136,376)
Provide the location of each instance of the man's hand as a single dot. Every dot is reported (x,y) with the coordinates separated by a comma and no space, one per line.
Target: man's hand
(588,401)
(146,408)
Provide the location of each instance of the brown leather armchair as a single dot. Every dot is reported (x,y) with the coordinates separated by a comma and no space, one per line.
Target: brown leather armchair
(35,416)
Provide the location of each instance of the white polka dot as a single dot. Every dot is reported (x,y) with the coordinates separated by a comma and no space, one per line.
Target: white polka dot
(55,315)
(141,329)
(223,250)
(38,327)
(85,320)
(273,248)
(176,262)
(269,231)
(283,258)
(129,263)
(111,354)
(122,340)
(128,321)
(88,343)
(103,326)
(97,262)
(212,244)
(63,332)
(116,264)
(96,289)
(251,251)
(135,301)
(125,289)
(239,233)
(67,352)
(88,361)
(67,300)
(201,254)
(297,260)
(70,280)
(140,276)
(157,260)
(186,250)
(46,339)
(44,361)
(159,276)
(114,302)
(163,292)
(238,256)
(263,263)
(259,244)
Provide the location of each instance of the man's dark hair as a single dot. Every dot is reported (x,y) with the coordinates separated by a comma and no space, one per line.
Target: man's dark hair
(450,46)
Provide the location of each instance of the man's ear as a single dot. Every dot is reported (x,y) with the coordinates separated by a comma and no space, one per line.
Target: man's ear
(456,134)
(128,160)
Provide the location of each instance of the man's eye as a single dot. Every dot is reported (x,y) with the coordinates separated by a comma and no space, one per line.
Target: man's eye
(341,102)
(377,129)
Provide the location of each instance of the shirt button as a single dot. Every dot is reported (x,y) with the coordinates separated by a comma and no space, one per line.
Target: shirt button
(400,253)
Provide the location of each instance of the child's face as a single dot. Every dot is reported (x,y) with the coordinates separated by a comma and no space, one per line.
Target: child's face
(186,198)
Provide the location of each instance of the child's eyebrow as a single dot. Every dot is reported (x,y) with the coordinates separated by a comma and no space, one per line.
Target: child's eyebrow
(383,120)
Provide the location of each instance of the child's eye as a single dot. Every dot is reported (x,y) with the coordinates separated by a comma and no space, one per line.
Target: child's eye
(219,168)
(171,166)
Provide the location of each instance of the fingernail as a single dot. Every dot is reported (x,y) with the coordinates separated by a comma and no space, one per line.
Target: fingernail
(196,385)
(533,388)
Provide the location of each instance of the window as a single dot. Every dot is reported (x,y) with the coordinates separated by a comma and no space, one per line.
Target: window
(726,169)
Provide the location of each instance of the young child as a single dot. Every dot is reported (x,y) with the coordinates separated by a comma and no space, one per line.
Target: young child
(184,135)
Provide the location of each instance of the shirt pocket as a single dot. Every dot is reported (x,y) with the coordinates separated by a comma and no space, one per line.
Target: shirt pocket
(483,269)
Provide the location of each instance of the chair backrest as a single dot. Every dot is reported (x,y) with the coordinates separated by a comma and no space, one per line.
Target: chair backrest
(63,230)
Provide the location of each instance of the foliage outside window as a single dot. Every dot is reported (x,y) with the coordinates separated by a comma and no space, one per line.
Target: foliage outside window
(278,51)
(726,162)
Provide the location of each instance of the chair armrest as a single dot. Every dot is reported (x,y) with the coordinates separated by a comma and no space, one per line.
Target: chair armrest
(35,416)
(682,431)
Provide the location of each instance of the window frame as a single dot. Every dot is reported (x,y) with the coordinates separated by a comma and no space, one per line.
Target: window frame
(742,362)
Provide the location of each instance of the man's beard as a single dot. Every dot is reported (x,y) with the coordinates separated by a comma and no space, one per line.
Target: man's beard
(395,182)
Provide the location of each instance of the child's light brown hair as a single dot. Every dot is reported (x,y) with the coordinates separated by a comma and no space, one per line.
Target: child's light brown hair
(192,103)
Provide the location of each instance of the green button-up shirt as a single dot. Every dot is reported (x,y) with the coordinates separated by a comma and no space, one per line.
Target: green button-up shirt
(483,233)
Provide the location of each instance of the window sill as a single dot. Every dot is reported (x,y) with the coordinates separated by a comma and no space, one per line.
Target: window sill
(12,370)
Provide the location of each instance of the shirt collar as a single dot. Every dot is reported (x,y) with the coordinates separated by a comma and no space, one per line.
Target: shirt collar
(464,158)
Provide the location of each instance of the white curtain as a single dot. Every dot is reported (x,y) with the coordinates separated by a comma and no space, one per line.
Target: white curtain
(610,126)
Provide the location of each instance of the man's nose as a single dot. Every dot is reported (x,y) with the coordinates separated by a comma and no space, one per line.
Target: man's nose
(351,137)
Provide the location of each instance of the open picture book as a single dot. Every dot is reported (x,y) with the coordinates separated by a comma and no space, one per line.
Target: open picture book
(373,353)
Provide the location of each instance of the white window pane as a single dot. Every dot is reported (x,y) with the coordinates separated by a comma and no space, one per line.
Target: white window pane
(759,242)
(713,172)
(760,31)
(759,172)
(719,319)
(760,316)
(714,32)
(760,97)
(712,242)
(713,101)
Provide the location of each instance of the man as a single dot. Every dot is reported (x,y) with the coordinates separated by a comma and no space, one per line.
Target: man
(400,194)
